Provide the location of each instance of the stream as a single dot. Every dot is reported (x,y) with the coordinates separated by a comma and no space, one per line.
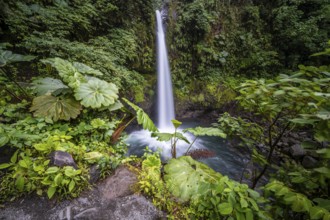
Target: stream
(228,160)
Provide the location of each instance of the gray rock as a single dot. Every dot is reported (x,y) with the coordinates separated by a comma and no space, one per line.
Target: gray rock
(90,213)
(94,173)
(13,213)
(309,162)
(297,151)
(61,159)
(118,185)
(134,208)
(65,214)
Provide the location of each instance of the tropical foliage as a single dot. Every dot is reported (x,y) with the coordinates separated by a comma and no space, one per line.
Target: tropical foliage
(66,66)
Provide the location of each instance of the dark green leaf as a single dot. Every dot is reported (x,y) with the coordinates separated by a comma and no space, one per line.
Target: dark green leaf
(5,165)
(317,212)
(7,56)
(47,85)
(324,203)
(56,108)
(4,140)
(142,118)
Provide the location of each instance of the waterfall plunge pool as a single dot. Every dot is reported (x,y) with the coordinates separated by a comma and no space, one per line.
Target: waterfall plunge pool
(228,160)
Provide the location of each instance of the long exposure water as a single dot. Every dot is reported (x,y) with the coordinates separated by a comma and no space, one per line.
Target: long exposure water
(165,111)
(227,160)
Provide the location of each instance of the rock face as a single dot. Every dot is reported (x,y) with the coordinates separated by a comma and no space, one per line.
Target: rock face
(130,207)
(111,199)
(119,185)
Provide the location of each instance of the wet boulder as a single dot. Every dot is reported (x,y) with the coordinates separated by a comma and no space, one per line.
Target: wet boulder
(61,159)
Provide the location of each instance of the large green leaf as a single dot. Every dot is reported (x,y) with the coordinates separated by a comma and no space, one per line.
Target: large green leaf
(323,114)
(162,136)
(51,191)
(176,123)
(97,93)
(4,140)
(225,208)
(324,153)
(67,71)
(94,155)
(55,108)
(187,178)
(324,203)
(7,56)
(142,118)
(47,85)
(200,131)
(168,136)
(117,105)
(317,212)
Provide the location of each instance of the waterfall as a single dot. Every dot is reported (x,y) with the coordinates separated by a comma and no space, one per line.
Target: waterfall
(138,140)
(165,103)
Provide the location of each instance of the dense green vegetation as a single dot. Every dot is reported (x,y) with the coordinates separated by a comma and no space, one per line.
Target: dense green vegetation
(66,66)
(242,39)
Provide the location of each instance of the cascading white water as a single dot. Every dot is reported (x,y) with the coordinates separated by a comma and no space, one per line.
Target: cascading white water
(227,162)
(165,94)
(165,111)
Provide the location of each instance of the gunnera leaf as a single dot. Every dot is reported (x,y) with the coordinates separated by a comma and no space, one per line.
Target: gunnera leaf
(96,93)
(70,74)
(187,178)
(55,108)
(7,56)
(47,85)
